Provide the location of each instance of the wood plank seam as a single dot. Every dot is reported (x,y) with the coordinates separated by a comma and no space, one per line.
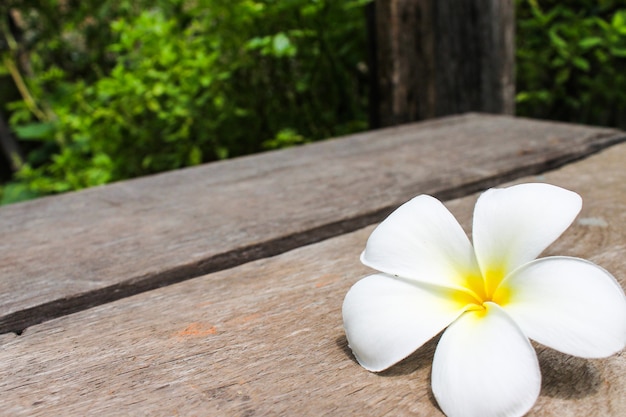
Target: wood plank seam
(18,321)
(266,338)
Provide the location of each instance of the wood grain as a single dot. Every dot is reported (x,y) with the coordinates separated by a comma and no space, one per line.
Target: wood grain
(62,254)
(266,337)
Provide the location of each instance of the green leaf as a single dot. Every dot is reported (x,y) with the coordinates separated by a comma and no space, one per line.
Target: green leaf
(590,42)
(619,52)
(284,139)
(258,42)
(581,63)
(221,152)
(195,156)
(619,21)
(556,39)
(36,131)
(562,76)
(282,45)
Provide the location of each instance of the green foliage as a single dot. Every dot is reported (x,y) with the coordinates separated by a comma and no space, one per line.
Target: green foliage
(104,90)
(118,89)
(15,191)
(571,60)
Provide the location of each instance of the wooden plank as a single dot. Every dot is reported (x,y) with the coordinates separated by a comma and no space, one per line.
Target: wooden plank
(266,338)
(66,253)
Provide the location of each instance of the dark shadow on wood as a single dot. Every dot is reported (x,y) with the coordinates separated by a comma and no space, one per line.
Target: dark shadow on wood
(342,344)
(421,358)
(567,377)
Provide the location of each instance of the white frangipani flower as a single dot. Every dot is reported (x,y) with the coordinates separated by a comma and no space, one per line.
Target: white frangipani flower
(490,297)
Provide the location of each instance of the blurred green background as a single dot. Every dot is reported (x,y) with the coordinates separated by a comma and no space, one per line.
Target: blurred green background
(100,91)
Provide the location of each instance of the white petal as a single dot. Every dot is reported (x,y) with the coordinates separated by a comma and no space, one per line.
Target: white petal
(386,318)
(421,240)
(484,366)
(513,225)
(568,304)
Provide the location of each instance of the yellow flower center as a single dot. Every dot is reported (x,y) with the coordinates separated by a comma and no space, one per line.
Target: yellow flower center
(480,289)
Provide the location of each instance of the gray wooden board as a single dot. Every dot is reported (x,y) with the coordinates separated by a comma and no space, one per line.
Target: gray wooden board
(266,337)
(66,253)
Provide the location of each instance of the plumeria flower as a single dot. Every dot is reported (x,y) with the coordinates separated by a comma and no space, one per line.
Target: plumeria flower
(490,297)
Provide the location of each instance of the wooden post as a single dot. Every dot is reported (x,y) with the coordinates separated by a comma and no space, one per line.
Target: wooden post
(441,57)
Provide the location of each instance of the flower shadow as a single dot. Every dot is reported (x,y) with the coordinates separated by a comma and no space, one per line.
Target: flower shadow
(342,344)
(563,376)
(422,358)
(419,359)
(567,377)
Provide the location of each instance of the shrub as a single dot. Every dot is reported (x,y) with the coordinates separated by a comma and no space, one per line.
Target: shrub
(122,89)
(571,61)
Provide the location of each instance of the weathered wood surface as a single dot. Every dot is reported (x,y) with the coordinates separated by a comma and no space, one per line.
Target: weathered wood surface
(66,253)
(266,338)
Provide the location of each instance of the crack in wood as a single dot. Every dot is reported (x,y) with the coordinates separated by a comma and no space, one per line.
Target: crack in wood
(18,321)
